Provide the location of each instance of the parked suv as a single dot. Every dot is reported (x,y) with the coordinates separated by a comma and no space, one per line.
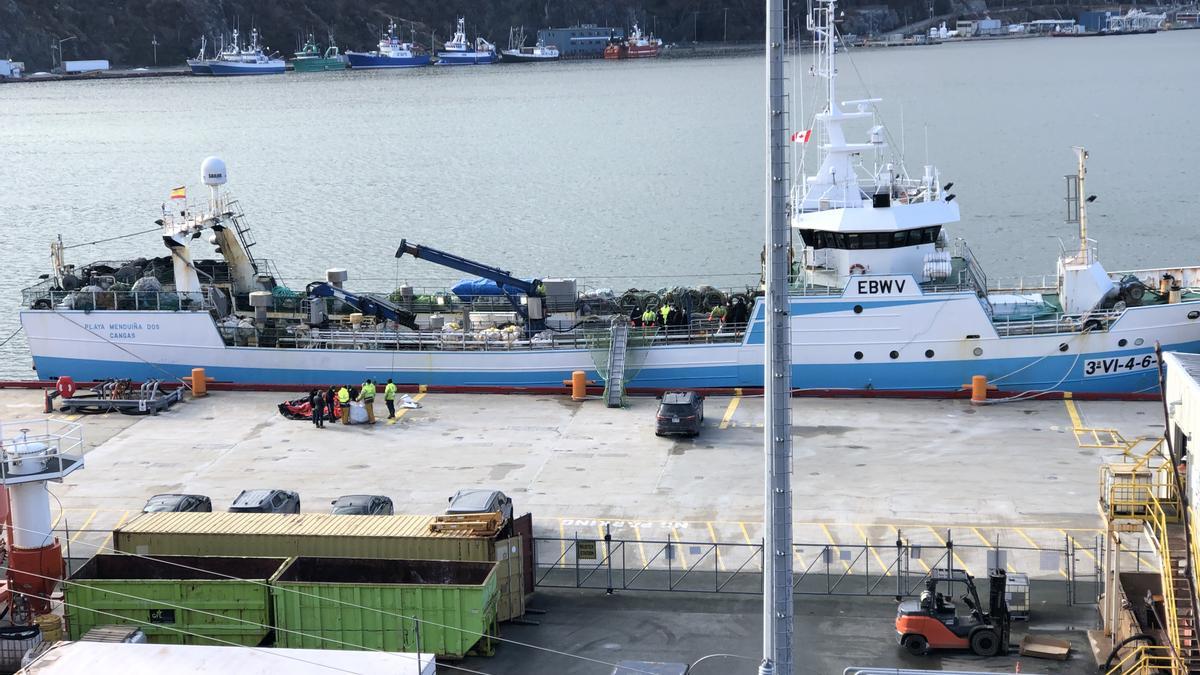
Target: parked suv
(177,503)
(266,501)
(362,505)
(680,412)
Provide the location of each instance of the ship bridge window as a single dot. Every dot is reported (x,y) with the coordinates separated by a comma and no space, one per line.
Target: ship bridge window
(854,241)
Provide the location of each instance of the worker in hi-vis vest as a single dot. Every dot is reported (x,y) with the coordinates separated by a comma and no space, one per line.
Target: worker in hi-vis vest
(389,398)
(367,396)
(344,401)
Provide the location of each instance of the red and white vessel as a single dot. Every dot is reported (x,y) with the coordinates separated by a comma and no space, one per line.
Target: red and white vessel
(636,46)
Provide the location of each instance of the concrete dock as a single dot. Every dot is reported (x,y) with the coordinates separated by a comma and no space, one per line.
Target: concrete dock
(867,471)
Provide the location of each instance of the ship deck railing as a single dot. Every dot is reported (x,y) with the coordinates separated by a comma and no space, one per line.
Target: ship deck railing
(378,338)
(89,301)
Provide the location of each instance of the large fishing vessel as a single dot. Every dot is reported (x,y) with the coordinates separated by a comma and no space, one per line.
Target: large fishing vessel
(310,58)
(881,300)
(251,60)
(459,52)
(392,53)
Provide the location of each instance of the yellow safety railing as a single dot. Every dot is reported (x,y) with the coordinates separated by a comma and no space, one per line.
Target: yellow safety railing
(1142,501)
(1146,660)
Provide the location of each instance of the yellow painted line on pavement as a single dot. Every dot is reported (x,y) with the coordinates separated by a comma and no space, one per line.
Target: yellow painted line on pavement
(834,547)
(981,537)
(712,534)
(1139,558)
(1072,411)
(957,559)
(637,533)
(733,404)
(679,555)
(83,527)
(103,547)
(867,542)
(401,411)
(562,541)
(1078,547)
(57,519)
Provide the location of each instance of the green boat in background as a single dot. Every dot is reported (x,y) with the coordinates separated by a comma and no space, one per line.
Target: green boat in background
(310,59)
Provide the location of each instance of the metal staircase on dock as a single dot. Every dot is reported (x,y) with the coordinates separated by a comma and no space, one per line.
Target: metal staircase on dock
(614,385)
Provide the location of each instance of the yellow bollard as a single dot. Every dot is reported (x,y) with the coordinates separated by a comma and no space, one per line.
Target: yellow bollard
(578,385)
(199,383)
(979,389)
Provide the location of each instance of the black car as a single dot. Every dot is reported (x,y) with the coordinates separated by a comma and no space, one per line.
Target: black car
(680,412)
(266,501)
(173,503)
(362,505)
(481,501)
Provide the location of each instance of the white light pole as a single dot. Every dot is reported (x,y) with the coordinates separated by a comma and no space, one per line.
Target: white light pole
(154,43)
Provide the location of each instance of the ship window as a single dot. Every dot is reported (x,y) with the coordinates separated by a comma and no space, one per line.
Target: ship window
(854,241)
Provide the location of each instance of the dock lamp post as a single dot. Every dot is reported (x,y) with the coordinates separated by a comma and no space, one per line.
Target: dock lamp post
(154,43)
(58,46)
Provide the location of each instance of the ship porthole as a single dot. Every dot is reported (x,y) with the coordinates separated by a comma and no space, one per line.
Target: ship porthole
(858,356)
(1193,314)
(858,310)
(1139,342)
(929,353)
(1062,347)
(1122,342)
(894,354)
(978,351)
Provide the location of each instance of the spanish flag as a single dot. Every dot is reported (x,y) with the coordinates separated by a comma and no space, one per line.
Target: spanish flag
(179,193)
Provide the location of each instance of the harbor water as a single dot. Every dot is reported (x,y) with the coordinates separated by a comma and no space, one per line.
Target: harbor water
(643,173)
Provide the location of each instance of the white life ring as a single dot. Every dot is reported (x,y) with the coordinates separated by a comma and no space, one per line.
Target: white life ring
(857,268)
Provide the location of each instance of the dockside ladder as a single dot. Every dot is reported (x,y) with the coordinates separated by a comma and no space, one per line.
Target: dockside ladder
(614,385)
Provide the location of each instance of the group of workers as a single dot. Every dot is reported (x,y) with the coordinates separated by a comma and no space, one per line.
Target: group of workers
(734,312)
(666,315)
(324,404)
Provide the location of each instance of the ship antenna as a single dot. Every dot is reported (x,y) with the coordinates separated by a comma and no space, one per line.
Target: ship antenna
(1082,155)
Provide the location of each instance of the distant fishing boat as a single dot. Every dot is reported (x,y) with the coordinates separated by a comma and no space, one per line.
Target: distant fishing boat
(233,60)
(458,51)
(636,46)
(392,53)
(199,65)
(517,52)
(310,58)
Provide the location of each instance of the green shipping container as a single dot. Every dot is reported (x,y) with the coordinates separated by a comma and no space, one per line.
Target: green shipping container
(442,607)
(174,599)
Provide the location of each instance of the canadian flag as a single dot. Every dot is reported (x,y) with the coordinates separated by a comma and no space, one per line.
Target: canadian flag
(802,136)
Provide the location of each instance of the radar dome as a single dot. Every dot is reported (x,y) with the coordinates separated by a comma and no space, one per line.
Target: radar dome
(212,171)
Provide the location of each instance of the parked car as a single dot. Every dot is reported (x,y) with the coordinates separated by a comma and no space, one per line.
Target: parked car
(266,501)
(177,503)
(680,412)
(362,505)
(481,501)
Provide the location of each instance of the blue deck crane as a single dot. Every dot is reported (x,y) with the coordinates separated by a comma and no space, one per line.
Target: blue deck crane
(366,304)
(533,312)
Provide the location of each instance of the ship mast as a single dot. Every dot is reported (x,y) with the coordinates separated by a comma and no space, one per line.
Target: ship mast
(777,373)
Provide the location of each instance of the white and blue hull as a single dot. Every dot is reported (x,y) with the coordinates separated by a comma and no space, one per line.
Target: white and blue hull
(373,61)
(466,58)
(891,345)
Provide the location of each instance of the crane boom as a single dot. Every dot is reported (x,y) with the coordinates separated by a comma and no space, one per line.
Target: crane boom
(532,313)
(368,305)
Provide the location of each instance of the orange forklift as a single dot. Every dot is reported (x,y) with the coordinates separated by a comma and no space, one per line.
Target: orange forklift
(933,622)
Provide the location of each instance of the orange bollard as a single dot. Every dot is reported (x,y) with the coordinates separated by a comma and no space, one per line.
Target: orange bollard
(199,383)
(979,389)
(578,385)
